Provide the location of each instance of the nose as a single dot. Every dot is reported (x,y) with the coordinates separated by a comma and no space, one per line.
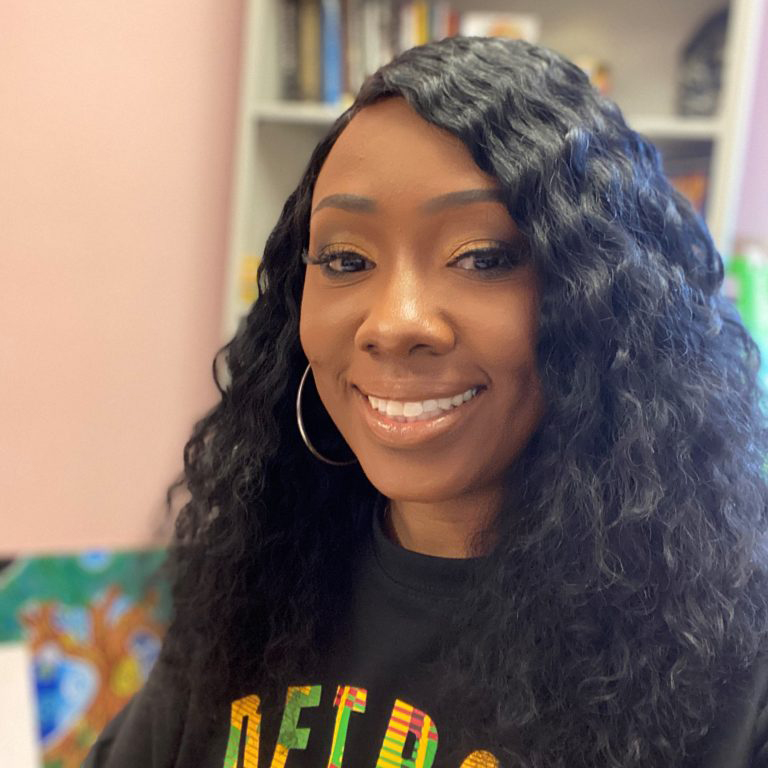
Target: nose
(405,315)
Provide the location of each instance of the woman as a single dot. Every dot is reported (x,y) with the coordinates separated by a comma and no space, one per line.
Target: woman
(487,485)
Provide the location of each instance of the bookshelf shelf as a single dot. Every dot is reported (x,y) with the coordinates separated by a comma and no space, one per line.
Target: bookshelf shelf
(680,128)
(299,112)
(652,126)
(642,42)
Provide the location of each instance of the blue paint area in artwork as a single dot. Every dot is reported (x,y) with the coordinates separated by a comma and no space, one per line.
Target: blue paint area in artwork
(75,621)
(145,648)
(65,688)
(119,607)
(95,561)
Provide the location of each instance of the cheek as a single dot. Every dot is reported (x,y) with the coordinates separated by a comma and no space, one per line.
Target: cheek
(328,320)
(307,336)
(325,337)
(313,333)
(508,334)
(318,349)
(507,346)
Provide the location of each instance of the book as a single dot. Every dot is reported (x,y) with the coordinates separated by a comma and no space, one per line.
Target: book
(332,51)
(372,42)
(310,48)
(328,47)
(406,28)
(288,49)
(689,175)
(421,21)
(519,26)
(354,62)
(439,20)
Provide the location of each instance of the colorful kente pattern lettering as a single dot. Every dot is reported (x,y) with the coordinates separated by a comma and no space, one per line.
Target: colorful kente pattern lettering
(244,730)
(406,719)
(348,700)
(291,736)
(480,759)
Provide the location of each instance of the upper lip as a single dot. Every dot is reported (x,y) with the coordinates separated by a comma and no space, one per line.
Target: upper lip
(412,394)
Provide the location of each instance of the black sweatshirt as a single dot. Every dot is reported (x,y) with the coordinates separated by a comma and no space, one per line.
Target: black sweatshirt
(373,705)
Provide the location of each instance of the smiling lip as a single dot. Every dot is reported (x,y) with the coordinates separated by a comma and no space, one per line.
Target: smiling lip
(408,397)
(409,433)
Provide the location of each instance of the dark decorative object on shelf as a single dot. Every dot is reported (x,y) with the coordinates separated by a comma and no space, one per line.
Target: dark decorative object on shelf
(701,68)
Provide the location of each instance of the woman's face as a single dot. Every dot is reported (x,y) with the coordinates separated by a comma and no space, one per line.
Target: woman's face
(426,296)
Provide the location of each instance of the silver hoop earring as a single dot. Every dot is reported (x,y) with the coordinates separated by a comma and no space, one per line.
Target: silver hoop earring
(303,431)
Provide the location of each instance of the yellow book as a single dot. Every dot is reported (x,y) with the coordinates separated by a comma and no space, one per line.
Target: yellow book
(310,53)
(421,14)
(248,287)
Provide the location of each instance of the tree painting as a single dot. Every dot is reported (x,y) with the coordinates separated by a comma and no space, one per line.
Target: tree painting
(94,625)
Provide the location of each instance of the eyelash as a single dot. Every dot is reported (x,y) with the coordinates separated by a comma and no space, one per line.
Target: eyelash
(511,260)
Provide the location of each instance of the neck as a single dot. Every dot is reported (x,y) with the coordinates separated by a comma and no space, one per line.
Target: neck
(440,529)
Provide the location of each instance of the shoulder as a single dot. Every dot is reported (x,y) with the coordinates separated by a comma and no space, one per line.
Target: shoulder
(146,731)
(739,738)
(98,755)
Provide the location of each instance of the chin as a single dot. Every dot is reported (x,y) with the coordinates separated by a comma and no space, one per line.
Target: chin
(419,487)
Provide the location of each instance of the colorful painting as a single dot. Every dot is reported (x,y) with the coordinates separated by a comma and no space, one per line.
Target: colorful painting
(93,624)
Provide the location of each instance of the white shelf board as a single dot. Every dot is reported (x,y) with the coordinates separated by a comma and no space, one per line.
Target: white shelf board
(673,127)
(298,112)
(652,126)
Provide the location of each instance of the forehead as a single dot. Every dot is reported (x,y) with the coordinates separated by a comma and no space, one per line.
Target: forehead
(389,150)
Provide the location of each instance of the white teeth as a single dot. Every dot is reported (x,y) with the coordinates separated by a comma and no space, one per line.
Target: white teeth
(412,411)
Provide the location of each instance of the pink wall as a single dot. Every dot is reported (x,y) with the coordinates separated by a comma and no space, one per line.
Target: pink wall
(116,143)
(753,206)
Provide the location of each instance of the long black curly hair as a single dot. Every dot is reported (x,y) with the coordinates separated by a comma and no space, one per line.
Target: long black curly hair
(627,585)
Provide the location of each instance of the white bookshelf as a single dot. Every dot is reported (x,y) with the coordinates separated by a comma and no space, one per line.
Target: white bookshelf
(671,127)
(307,113)
(642,42)
(653,126)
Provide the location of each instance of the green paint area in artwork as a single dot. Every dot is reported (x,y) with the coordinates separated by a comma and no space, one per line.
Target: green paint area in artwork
(74,580)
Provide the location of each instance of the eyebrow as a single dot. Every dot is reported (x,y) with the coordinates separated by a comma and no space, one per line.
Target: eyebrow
(360,204)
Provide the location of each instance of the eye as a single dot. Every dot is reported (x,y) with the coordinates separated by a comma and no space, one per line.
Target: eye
(489,261)
(337,261)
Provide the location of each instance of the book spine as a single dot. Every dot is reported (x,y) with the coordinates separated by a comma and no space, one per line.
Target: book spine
(386,31)
(346,87)
(371,36)
(406,32)
(310,51)
(454,22)
(441,19)
(355,63)
(288,49)
(332,51)
(421,22)
(431,20)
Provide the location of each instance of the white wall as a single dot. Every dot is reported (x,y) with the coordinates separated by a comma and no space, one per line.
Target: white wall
(753,209)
